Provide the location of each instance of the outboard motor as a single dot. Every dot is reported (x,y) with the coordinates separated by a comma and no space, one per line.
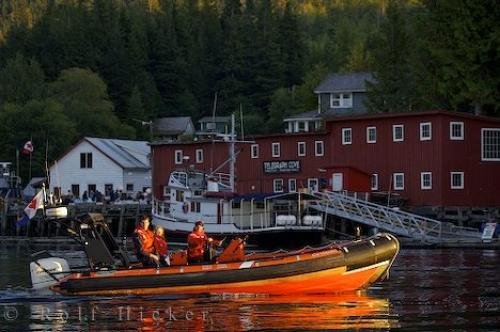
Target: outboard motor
(48,271)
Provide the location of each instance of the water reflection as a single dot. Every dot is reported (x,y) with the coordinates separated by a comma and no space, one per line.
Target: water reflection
(209,313)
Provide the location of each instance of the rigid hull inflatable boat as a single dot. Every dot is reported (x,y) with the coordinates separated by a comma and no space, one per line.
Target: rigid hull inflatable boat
(334,267)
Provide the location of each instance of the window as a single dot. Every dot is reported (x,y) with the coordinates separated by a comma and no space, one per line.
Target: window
(275,149)
(374,182)
(75,189)
(278,185)
(166,193)
(301,149)
(346,136)
(199,156)
(178,157)
(398,133)
(195,207)
(456,131)
(425,180)
(91,189)
(179,195)
(130,187)
(312,184)
(457,180)
(292,185)
(371,134)
(319,148)
(254,151)
(425,131)
(86,160)
(398,181)
(490,144)
(341,100)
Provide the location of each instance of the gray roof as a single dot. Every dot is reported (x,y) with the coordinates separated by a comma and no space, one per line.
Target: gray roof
(344,83)
(328,113)
(215,119)
(127,154)
(173,125)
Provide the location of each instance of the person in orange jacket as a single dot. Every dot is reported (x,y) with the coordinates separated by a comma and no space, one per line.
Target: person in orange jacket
(198,244)
(161,247)
(144,241)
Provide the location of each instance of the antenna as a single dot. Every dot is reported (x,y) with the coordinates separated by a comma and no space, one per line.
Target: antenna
(214,108)
(241,123)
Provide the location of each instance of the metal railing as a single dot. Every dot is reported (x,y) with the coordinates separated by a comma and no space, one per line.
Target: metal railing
(390,219)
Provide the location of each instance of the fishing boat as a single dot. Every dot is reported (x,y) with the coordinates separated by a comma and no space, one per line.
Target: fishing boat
(270,219)
(278,219)
(333,267)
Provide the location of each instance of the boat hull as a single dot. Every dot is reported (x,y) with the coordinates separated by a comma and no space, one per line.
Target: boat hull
(347,267)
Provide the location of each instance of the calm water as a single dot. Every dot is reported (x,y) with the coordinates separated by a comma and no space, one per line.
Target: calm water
(448,289)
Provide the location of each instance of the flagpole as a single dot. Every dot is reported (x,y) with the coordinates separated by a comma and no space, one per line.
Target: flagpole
(31,152)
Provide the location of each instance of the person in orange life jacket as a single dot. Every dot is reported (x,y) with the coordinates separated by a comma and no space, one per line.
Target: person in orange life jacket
(145,242)
(199,244)
(161,247)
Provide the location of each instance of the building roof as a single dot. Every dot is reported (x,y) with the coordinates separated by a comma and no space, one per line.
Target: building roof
(215,119)
(354,82)
(172,125)
(328,113)
(413,114)
(125,153)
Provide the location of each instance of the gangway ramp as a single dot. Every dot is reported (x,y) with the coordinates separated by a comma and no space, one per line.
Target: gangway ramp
(392,220)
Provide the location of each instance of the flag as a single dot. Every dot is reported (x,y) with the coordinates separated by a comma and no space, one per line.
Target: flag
(28,147)
(30,210)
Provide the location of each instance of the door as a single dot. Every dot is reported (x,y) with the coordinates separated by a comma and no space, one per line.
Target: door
(337,182)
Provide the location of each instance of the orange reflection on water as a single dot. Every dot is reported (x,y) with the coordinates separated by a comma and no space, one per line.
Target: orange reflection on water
(234,312)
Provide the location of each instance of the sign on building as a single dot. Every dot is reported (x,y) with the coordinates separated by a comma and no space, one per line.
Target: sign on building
(281,166)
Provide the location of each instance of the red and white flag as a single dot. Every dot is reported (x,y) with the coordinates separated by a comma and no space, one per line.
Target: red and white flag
(28,147)
(35,204)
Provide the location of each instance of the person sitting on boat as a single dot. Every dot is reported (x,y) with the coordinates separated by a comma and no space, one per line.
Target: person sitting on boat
(161,247)
(199,244)
(144,242)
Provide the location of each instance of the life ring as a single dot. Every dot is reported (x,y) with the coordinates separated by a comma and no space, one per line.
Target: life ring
(185,207)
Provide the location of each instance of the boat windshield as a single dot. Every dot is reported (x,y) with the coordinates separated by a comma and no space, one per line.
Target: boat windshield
(196,180)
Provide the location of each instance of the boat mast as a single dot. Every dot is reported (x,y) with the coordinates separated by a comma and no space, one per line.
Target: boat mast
(231,155)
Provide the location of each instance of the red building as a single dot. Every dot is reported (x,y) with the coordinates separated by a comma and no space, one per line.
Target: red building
(430,158)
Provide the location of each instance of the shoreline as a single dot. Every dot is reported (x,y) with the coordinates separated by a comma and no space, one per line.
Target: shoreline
(406,243)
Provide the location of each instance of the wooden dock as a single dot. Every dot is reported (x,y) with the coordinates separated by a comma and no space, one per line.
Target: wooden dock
(121,218)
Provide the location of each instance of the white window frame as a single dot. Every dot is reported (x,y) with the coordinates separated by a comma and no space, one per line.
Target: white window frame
(462,180)
(199,156)
(275,185)
(483,131)
(462,130)
(254,151)
(422,137)
(423,186)
(301,144)
(290,182)
(344,133)
(319,144)
(368,129)
(344,100)
(178,157)
(394,181)
(278,152)
(394,127)
(309,180)
(374,184)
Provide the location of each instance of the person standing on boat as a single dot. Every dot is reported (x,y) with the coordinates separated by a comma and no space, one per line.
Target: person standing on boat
(199,244)
(145,241)
(161,247)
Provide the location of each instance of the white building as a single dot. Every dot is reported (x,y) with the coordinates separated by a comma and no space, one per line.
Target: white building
(102,164)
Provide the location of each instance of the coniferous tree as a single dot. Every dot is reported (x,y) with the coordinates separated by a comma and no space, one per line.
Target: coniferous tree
(392,89)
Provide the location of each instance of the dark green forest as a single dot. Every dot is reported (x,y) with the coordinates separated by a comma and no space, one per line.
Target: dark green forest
(74,68)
